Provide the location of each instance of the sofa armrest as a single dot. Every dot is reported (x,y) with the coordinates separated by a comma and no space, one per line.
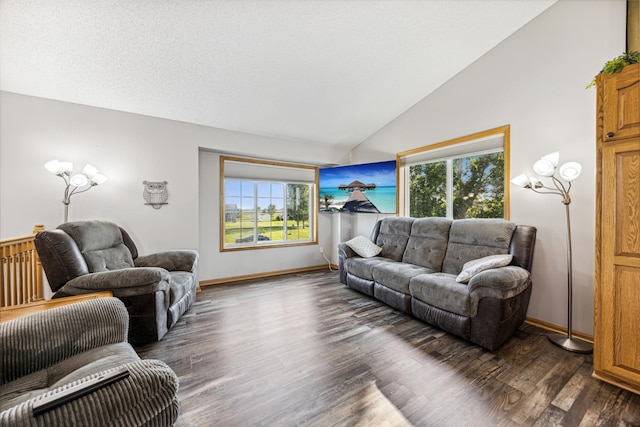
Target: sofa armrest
(345,251)
(34,342)
(125,282)
(146,397)
(503,282)
(179,260)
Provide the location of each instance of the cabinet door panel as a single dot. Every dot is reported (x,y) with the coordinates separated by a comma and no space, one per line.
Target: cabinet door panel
(622,100)
(627,322)
(618,353)
(627,203)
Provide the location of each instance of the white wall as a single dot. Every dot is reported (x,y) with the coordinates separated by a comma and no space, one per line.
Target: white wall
(129,149)
(247,262)
(534,81)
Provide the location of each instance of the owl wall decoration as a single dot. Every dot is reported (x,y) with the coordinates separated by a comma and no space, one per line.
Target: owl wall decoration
(155,193)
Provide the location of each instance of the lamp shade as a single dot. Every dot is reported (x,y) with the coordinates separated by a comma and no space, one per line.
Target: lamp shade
(54,167)
(552,157)
(67,167)
(98,179)
(544,167)
(78,180)
(521,180)
(90,171)
(570,171)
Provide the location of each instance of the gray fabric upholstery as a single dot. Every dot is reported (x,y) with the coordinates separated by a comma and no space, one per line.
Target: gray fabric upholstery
(471,239)
(395,299)
(427,244)
(421,258)
(393,237)
(396,275)
(359,284)
(441,290)
(363,267)
(100,243)
(88,256)
(451,322)
(48,352)
(502,282)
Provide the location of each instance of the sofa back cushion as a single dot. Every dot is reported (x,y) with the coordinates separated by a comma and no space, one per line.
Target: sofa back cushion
(101,244)
(60,257)
(393,236)
(471,239)
(427,244)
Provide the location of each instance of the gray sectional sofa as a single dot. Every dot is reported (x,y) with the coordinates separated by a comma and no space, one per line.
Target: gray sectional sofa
(424,265)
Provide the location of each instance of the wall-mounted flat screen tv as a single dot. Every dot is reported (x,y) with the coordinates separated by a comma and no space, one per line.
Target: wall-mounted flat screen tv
(366,188)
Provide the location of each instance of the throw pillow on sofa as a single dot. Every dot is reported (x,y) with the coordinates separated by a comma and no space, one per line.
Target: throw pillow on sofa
(364,247)
(473,267)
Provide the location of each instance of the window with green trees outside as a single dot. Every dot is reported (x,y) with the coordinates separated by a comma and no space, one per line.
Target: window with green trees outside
(463,178)
(477,184)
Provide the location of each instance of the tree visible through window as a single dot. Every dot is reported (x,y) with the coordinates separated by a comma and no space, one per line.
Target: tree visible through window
(266,212)
(463,180)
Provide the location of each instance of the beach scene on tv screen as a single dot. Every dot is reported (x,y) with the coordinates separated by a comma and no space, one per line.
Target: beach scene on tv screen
(367,188)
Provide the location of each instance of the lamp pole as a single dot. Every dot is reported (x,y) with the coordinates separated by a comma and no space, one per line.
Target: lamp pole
(546,166)
(567,341)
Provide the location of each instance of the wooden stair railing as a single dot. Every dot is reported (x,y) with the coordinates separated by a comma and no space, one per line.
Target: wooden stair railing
(20,270)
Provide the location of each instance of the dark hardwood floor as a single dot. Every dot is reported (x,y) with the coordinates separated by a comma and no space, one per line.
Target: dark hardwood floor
(305,350)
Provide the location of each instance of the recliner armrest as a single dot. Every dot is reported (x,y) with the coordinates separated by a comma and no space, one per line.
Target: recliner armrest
(146,397)
(178,260)
(503,282)
(123,282)
(34,342)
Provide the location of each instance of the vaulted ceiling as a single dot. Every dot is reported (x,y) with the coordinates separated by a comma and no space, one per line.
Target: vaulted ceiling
(331,72)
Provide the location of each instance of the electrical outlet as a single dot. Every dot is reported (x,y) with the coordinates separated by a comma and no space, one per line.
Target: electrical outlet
(321,249)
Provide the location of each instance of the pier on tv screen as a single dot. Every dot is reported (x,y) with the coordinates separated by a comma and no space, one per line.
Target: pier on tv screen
(365,188)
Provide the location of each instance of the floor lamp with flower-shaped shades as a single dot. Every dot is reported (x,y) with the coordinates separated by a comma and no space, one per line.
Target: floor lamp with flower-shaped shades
(89,178)
(547,166)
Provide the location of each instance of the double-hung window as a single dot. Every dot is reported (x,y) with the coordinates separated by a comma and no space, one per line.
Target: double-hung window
(266,204)
(462,178)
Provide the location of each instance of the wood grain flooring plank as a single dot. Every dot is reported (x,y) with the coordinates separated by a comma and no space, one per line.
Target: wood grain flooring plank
(304,350)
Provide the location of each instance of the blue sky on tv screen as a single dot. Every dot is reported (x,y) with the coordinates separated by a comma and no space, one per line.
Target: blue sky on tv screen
(383,174)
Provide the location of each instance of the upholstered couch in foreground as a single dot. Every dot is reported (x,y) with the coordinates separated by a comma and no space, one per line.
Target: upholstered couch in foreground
(438,270)
(48,354)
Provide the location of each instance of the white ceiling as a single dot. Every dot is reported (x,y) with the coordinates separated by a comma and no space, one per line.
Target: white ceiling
(330,71)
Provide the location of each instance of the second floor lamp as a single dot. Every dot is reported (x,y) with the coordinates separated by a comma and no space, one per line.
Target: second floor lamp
(547,166)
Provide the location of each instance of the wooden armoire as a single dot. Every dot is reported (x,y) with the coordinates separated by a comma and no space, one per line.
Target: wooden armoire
(616,357)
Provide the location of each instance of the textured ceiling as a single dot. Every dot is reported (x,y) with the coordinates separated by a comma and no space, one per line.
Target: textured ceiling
(332,72)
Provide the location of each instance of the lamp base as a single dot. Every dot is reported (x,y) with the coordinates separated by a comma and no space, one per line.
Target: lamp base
(571,344)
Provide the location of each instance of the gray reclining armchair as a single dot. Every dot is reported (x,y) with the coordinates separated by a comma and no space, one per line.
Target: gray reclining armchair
(90,256)
(72,366)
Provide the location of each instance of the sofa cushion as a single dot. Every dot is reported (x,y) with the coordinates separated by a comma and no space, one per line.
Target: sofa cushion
(396,275)
(364,247)
(393,237)
(100,243)
(441,290)
(363,267)
(471,239)
(473,267)
(427,244)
